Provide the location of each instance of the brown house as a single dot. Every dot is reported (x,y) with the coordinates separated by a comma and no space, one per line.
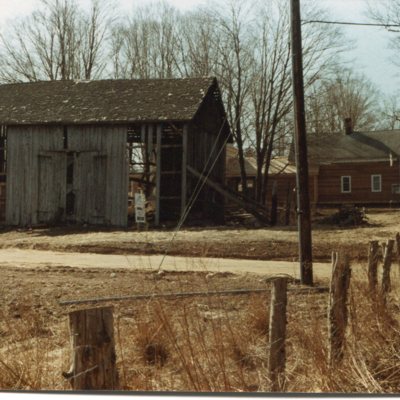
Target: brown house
(68,149)
(356,168)
(361,168)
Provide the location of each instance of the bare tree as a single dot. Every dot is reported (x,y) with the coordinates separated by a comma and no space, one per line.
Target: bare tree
(58,41)
(345,95)
(198,47)
(390,113)
(271,96)
(235,49)
(146,46)
(387,12)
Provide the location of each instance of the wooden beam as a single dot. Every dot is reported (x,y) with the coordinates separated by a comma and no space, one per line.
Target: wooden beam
(184,171)
(247,205)
(158,174)
(150,141)
(143,133)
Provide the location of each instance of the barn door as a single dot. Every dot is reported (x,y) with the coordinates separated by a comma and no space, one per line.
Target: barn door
(52,187)
(90,187)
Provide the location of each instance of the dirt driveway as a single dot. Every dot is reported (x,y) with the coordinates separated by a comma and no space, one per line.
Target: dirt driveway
(40,258)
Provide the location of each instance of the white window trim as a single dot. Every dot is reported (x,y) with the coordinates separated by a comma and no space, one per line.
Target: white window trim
(341,184)
(380,183)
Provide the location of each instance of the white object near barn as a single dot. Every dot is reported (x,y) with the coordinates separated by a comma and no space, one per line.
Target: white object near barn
(140,208)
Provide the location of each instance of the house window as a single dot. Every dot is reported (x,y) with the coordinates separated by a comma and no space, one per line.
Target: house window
(346,184)
(376,183)
(395,188)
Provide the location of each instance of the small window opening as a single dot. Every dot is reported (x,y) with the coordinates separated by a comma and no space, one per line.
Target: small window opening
(376,183)
(346,184)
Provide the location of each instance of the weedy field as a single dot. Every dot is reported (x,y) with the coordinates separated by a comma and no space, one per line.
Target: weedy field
(204,343)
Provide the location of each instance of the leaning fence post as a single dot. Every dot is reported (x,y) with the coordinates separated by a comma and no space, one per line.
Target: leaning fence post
(337,320)
(94,359)
(277,334)
(387,262)
(373,258)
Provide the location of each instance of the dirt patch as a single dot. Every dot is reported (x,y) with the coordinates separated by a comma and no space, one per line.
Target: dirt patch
(279,243)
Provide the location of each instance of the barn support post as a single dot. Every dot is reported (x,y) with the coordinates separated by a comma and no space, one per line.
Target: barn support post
(158,174)
(149,159)
(337,314)
(387,263)
(373,258)
(277,335)
(94,358)
(184,171)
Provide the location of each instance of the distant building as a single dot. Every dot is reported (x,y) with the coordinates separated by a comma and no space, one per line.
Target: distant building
(361,168)
(356,168)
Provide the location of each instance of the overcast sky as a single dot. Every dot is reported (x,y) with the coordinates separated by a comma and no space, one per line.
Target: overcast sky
(370,55)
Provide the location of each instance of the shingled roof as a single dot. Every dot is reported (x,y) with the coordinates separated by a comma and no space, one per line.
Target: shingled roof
(115,101)
(360,146)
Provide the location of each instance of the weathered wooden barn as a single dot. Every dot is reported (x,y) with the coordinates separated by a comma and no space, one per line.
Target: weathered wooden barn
(70,150)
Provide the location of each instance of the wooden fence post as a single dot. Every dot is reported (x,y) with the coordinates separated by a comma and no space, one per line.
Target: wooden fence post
(337,321)
(387,262)
(94,359)
(373,258)
(398,249)
(277,335)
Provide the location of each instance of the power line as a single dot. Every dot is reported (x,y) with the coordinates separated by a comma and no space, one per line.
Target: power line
(349,23)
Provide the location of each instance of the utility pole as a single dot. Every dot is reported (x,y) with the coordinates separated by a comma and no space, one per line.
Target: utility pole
(300,146)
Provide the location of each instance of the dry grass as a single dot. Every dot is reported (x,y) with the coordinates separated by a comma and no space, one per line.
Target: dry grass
(216,344)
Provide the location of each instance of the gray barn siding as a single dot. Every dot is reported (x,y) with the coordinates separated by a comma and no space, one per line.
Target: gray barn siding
(24,145)
(36,174)
(100,173)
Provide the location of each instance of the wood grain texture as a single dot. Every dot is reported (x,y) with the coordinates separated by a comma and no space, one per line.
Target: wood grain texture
(387,263)
(94,358)
(277,335)
(373,259)
(337,314)
(37,170)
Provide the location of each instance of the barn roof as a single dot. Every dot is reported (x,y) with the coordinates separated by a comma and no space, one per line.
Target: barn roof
(358,146)
(112,101)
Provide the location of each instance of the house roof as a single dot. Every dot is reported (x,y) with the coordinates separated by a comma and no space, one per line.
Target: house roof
(279,165)
(232,166)
(112,101)
(358,146)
